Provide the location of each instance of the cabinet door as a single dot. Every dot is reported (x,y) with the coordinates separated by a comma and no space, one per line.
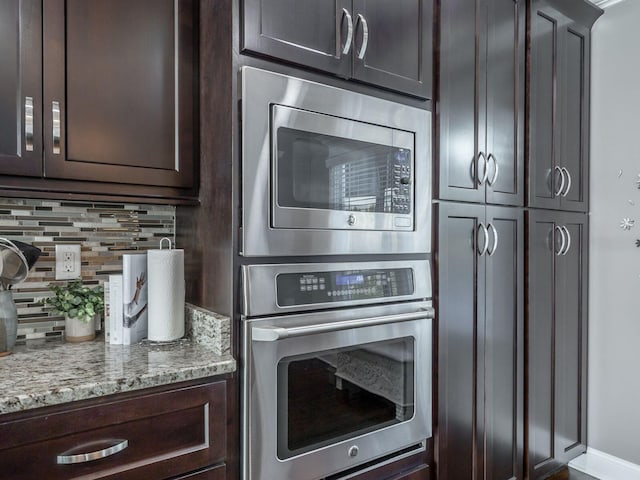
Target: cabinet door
(460,309)
(544,243)
(21,87)
(571,339)
(307,32)
(458,160)
(119,91)
(397,53)
(544,146)
(505,77)
(504,346)
(557,335)
(574,98)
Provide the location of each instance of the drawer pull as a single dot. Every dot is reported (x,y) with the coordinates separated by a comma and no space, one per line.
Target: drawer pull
(67,458)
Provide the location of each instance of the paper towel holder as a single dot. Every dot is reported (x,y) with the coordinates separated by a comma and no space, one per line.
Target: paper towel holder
(168,240)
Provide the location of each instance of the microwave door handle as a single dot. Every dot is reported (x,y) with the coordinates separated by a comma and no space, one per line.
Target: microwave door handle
(272,334)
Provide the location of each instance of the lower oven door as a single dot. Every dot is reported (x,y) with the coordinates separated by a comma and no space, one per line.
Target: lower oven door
(322,395)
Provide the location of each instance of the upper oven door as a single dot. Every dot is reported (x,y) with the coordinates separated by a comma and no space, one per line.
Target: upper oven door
(339,174)
(327,171)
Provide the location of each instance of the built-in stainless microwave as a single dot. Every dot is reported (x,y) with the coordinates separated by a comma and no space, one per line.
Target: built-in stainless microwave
(330,171)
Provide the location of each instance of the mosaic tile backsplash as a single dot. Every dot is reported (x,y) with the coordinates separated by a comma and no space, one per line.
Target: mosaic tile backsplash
(105,231)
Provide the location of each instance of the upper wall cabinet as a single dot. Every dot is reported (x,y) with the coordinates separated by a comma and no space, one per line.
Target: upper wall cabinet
(559,122)
(481,120)
(20,87)
(383,43)
(102,91)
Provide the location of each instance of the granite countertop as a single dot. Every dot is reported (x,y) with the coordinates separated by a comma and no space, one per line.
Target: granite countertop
(48,373)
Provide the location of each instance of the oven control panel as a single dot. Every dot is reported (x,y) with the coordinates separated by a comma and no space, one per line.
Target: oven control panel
(346,285)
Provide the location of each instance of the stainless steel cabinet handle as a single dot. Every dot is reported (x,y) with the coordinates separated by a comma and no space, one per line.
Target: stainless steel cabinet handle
(485,174)
(496,169)
(272,334)
(563,243)
(365,36)
(568,177)
(495,239)
(69,459)
(566,231)
(55,110)
(28,124)
(562,180)
(349,40)
(485,234)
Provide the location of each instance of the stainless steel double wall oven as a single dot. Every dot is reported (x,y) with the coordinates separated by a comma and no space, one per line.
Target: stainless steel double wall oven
(336,356)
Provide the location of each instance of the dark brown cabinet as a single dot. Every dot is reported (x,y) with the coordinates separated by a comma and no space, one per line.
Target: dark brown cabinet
(103,91)
(557,336)
(159,435)
(480,342)
(559,107)
(480,128)
(374,41)
(20,87)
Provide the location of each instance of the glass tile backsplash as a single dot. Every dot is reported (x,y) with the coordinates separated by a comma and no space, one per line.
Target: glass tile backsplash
(104,230)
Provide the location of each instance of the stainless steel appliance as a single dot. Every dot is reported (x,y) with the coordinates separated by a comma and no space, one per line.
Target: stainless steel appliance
(326,389)
(330,171)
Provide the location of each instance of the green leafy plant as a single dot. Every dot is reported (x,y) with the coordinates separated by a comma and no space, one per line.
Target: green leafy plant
(77,301)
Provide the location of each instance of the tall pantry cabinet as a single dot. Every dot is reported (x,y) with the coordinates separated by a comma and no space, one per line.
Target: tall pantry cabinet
(557,225)
(486,253)
(480,240)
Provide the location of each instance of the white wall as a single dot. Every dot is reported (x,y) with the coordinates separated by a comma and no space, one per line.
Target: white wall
(614,269)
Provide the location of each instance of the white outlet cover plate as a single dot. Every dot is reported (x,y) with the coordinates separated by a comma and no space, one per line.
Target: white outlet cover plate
(72,270)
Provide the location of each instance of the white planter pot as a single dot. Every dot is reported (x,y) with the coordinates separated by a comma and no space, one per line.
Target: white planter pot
(78,331)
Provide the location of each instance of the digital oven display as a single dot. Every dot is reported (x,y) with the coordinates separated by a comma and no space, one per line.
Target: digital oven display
(350,279)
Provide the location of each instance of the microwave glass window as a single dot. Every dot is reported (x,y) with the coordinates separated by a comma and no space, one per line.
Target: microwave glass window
(334,173)
(335,395)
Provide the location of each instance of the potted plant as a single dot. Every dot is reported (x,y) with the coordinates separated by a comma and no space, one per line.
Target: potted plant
(79,304)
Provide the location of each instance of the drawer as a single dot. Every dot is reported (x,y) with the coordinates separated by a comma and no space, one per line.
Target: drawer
(167,434)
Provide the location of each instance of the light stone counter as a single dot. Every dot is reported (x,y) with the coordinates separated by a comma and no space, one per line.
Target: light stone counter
(53,372)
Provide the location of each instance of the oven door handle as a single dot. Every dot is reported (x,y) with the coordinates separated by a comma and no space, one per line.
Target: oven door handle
(272,334)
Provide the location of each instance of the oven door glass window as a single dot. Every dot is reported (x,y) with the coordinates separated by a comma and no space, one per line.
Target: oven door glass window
(334,395)
(326,165)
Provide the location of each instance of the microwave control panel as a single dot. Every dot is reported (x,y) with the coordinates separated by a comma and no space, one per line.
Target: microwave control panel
(339,286)
(401,191)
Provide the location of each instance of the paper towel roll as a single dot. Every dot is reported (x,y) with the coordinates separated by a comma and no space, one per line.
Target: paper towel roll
(165,270)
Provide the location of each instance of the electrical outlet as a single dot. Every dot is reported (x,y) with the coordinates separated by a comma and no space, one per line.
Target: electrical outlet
(67,262)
